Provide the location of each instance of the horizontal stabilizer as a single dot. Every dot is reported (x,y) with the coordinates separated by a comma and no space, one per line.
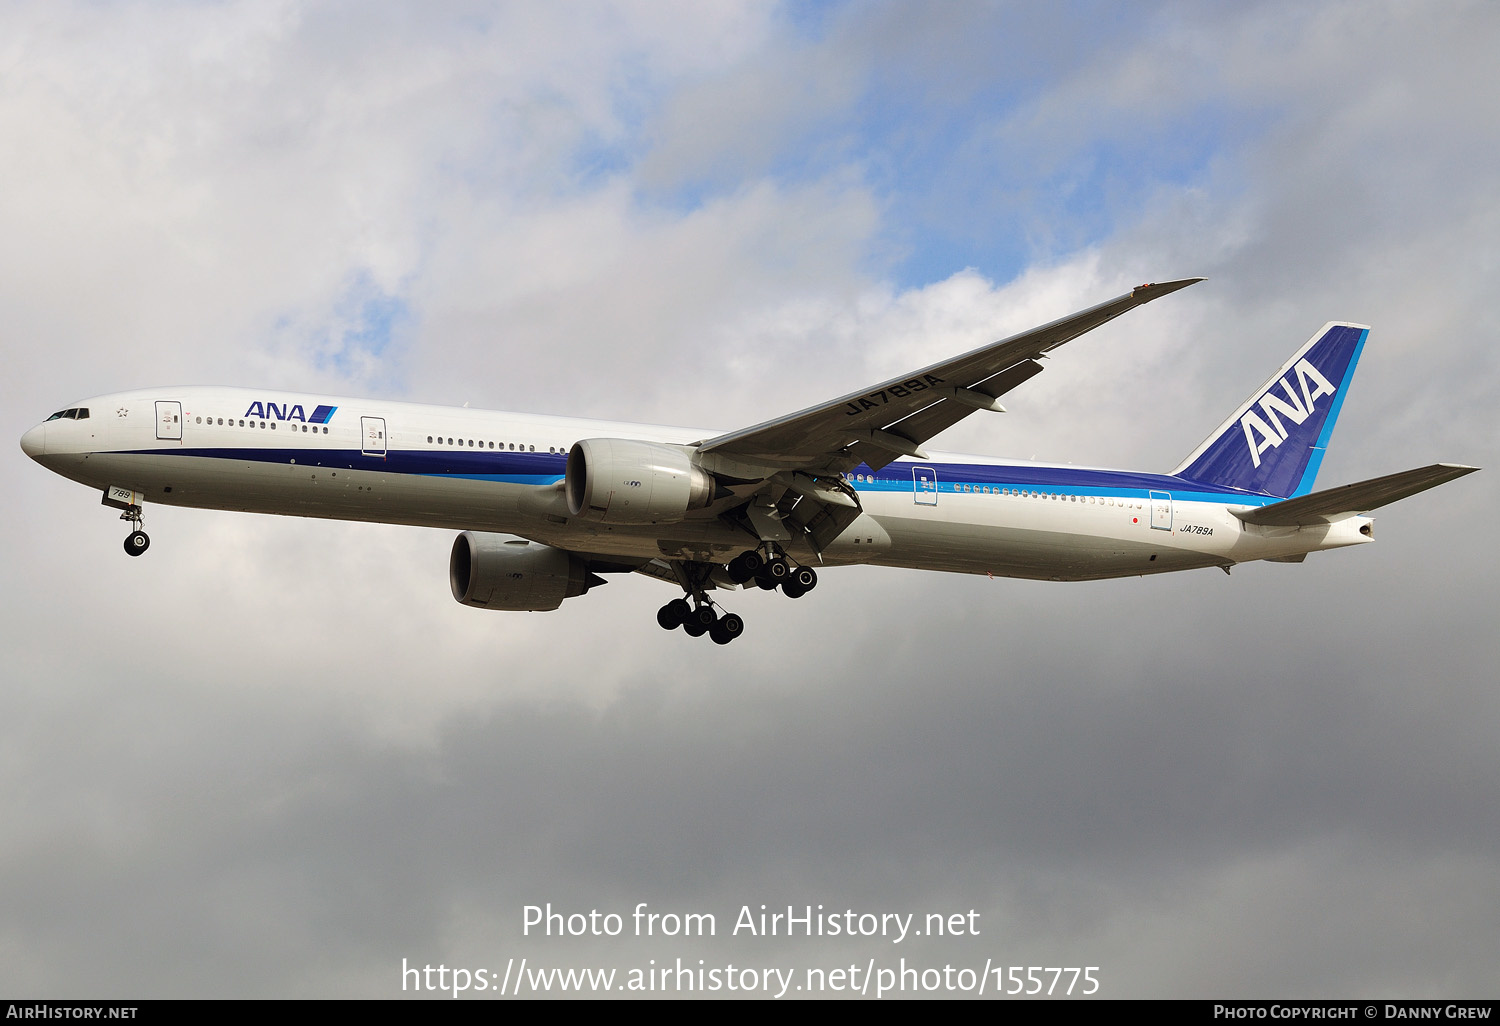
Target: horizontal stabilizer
(1359,497)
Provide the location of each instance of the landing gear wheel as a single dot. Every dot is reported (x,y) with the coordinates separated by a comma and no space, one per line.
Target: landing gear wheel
(791,589)
(765,582)
(777,569)
(745,566)
(673,615)
(729,627)
(137,542)
(694,629)
(804,577)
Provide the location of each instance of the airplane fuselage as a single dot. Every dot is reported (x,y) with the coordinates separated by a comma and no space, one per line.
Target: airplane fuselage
(476,470)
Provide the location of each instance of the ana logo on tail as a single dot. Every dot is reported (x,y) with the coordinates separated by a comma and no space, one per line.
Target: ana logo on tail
(1296,407)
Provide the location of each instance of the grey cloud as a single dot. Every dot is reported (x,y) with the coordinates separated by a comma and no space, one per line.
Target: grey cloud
(274,758)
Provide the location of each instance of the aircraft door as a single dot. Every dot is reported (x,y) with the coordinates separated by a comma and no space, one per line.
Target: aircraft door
(924,486)
(1161,511)
(372,435)
(169,420)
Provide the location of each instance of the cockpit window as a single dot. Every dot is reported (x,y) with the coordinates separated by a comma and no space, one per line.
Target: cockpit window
(83,413)
(77,413)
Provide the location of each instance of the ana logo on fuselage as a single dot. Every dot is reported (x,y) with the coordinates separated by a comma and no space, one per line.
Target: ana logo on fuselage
(1296,407)
(289,411)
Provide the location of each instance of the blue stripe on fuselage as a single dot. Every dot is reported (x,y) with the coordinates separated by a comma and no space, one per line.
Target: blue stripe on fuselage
(952,477)
(477,465)
(543,468)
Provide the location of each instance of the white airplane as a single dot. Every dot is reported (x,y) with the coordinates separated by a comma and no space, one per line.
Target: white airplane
(546,504)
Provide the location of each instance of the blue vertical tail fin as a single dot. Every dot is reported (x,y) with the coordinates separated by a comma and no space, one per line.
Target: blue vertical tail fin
(1274,443)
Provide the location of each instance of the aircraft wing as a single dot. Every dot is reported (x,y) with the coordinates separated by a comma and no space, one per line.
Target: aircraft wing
(1360,497)
(893,418)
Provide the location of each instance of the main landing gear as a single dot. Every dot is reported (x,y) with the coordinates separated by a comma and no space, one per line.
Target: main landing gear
(769,570)
(700,619)
(137,541)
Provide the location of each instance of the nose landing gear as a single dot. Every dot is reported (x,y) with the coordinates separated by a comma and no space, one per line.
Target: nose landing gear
(137,541)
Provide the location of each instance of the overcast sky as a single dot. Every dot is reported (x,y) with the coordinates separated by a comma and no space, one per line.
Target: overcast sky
(274,758)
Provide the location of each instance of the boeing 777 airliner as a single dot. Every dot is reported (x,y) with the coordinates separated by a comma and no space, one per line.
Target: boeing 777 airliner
(547,504)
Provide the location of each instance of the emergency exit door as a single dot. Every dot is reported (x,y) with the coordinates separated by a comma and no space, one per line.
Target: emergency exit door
(169,420)
(1161,511)
(372,431)
(924,486)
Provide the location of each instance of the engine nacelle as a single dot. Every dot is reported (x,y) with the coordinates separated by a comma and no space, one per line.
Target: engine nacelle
(501,571)
(624,481)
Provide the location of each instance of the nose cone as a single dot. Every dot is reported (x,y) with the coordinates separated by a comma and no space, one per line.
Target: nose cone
(34,442)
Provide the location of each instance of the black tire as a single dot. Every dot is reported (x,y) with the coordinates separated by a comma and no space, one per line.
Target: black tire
(765,582)
(668,618)
(704,616)
(740,569)
(791,589)
(694,629)
(805,577)
(777,569)
(137,543)
(729,627)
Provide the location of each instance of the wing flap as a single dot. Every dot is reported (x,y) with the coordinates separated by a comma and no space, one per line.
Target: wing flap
(940,416)
(1350,499)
